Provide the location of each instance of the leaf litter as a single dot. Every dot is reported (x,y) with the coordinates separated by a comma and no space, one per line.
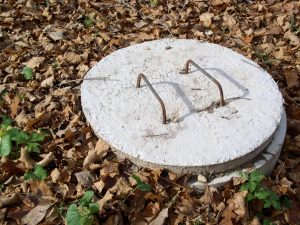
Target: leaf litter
(46,49)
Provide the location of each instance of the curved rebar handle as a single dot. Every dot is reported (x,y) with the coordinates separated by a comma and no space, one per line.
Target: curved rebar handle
(186,71)
(163,108)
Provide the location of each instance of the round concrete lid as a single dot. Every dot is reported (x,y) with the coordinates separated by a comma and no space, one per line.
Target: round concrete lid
(199,134)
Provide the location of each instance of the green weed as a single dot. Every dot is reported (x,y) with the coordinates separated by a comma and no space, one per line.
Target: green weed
(82,213)
(39,173)
(27,73)
(13,137)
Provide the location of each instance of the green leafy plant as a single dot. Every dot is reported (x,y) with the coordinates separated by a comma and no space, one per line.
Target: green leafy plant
(87,21)
(264,57)
(154,2)
(12,137)
(257,191)
(141,185)
(39,173)
(27,72)
(83,213)
(2,94)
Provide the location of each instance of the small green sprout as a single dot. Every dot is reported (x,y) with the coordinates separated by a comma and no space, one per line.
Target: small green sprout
(257,191)
(39,173)
(82,214)
(141,185)
(12,137)
(27,72)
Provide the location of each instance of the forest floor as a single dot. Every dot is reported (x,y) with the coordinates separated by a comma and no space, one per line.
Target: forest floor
(50,155)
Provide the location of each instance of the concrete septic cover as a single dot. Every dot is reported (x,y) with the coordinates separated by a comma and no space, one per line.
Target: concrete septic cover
(200,134)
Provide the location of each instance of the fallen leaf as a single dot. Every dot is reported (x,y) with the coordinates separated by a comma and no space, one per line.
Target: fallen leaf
(47,82)
(107,197)
(56,35)
(55,175)
(219,2)
(161,217)
(294,40)
(206,18)
(72,57)
(35,62)
(85,178)
(47,158)
(104,36)
(14,106)
(25,158)
(36,215)
(41,187)
(235,209)
(295,176)
(254,221)
(291,77)
(229,20)
(96,154)
(6,201)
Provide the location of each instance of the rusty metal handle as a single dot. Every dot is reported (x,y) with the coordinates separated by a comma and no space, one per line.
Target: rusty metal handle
(186,71)
(163,108)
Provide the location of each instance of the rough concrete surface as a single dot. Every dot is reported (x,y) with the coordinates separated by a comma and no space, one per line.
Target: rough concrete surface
(265,161)
(197,135)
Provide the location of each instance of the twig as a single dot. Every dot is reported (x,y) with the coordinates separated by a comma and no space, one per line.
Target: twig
(82,79)
(280,170)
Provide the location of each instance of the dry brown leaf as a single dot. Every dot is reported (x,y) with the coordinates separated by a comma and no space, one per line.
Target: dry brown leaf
(104,36)
(295,176)
(110,169)
(219,2)
(47,158)
(35,62)
(145,37)
(82,69)
(235,209)
(291,77)
(229,20)
(260,32)
(206,19)
(96,154)
(25,158)
(254,221)
(38,187)
(55,175)
(36,215)
(14,106)
(161,217)
(6,201)
(72,57)
(99,185)
(56,35)
(85,178)
(121,188)
(107,197)
(294,39)
(22,119)
(292,217)
(47,82)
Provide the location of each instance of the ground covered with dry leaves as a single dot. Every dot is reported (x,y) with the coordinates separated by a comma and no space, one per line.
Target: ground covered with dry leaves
(47,46)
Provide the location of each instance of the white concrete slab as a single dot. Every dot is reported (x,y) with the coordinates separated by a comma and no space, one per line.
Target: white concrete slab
(264,162)
(130,119)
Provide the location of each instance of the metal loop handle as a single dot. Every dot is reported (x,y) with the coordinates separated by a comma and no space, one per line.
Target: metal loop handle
(163,108)
(186,71)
